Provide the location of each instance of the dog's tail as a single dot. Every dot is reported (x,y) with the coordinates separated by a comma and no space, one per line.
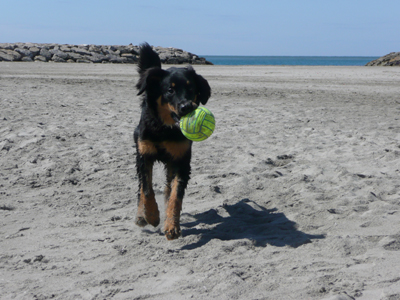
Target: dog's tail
(147,58)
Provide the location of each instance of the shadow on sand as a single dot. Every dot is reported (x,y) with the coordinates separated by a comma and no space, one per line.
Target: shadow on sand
(244,220)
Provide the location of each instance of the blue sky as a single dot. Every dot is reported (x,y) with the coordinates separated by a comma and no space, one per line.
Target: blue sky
(205,27)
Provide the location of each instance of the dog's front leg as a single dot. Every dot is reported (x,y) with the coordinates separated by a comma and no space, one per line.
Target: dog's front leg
(177,180)
(147,212)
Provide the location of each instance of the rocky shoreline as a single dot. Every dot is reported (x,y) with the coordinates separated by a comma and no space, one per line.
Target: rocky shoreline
(391,59)
(33,52)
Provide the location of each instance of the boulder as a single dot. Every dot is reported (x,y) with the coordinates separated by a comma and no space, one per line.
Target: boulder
(81,51)
(112,48)
(95,49)
(107,51)
(59,54)
(74,56)
(112,58)
(96,57)
(65,48)
(163,57)
(83,46)
(10,55)
(40,58)
(35,50)
(57,58)
(135,49)
(7,46)
(130,57)
(177,60)
(46,53)
(24,52)
(27,58)
(123,49)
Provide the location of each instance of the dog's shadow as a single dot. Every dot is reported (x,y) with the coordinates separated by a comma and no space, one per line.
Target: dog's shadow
(244,220)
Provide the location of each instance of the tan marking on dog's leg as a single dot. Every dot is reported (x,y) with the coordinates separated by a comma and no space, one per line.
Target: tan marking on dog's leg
(167,190)
(147,212)
(173,211)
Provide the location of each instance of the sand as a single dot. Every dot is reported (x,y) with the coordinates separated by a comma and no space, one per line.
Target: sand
(295,196)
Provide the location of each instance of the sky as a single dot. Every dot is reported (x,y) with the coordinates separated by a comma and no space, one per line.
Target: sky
(206,27)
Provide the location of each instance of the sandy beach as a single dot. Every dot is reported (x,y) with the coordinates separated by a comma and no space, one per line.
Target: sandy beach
(296,195)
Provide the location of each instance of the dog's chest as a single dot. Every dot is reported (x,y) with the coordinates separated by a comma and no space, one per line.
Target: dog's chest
(174,149)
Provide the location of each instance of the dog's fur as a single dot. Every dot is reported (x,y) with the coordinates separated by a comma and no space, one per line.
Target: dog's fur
(167,95)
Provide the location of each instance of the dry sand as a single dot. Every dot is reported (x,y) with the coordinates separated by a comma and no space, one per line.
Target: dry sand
(295,196)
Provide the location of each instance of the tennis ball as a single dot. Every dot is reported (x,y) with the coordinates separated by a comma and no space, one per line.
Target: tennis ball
(198,125)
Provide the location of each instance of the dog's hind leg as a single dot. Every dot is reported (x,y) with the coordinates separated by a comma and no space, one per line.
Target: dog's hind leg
(147,212)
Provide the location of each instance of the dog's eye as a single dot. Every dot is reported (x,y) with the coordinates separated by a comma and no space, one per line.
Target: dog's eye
(171,90)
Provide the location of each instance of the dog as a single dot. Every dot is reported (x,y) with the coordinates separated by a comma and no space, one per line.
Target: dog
(167,95)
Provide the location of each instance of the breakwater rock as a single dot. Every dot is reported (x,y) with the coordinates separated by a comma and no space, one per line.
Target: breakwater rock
(391,59)
(91,54)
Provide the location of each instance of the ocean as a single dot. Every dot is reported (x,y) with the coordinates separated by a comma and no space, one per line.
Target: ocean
(290,60)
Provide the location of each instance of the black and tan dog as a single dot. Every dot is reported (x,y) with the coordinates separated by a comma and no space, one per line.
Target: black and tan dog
(167,95)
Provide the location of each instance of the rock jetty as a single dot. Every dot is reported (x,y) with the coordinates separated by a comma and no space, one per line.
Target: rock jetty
(391,59)
(65,53)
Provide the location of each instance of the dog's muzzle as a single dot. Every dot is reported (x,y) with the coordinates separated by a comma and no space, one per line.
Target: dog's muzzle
(183,110)
(186,108)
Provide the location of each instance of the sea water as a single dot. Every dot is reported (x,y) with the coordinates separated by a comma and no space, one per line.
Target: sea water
(290,60)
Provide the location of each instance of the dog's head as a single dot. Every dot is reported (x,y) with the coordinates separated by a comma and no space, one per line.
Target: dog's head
(174,92)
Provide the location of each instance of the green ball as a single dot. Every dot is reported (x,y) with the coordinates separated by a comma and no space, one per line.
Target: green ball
(198,125)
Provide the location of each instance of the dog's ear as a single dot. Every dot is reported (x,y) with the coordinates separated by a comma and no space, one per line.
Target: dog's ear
(148,58)
(203,89)
(150,80)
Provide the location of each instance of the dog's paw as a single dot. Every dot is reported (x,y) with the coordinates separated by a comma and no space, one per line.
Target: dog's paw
(153,219)
(172,232)
(149,215)
(143,221)
(140,221)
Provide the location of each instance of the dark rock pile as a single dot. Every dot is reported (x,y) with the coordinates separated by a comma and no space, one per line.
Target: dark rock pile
(391,59)
(91,54)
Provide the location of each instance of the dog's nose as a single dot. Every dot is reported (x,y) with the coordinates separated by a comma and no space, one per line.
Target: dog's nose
(186,108)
